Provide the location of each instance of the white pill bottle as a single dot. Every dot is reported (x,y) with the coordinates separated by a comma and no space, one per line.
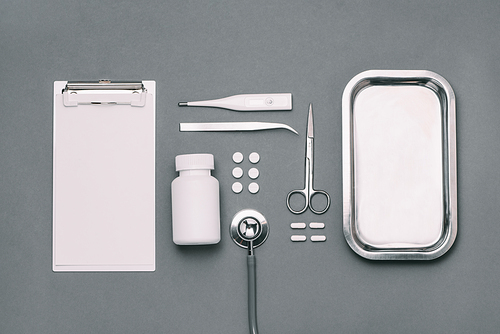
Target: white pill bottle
(195,201)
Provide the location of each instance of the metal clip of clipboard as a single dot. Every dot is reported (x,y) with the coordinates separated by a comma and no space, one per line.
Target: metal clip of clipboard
(104,92)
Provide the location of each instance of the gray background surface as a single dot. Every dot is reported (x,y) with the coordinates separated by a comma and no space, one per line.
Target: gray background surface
(198,50)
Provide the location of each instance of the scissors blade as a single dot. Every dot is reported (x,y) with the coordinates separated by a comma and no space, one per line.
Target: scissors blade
(309,152)
(310,126)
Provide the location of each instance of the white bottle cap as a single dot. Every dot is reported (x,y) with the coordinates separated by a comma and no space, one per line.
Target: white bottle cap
(194,161)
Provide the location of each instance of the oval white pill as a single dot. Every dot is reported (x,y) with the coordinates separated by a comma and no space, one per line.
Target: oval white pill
(298,225)
(298,238)
(317,238)
(237,187)
(237,172)
(254,157)
(253,188)
(317,225)
(253,173)
(238,157)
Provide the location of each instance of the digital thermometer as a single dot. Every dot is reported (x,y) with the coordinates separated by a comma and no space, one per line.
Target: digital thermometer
(247,102)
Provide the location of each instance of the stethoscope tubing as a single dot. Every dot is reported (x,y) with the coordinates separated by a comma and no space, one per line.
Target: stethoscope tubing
(252,295)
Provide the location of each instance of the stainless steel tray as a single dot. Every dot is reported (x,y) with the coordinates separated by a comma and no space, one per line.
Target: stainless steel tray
(399,165)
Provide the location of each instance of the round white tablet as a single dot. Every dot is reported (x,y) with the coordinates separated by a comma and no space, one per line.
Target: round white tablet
(237,172)
(237,187)
(253,188)
(253,173)
(254,157)
(238,157)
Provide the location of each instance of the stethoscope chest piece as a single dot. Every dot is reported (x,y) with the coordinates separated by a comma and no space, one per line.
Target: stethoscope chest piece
(249,226)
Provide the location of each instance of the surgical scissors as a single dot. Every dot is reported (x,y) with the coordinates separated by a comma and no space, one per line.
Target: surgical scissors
(309,192)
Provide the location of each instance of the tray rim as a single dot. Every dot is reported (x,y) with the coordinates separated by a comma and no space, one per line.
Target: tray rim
(450,232)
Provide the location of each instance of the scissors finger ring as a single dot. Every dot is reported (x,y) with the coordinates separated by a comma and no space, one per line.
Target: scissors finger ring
(304,194)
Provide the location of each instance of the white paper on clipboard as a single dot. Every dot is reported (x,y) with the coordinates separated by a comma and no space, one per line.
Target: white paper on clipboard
(104,179)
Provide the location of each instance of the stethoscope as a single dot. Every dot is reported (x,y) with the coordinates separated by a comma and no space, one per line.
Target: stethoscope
(249,229)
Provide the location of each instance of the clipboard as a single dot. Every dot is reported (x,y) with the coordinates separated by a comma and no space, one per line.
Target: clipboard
(104,176)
